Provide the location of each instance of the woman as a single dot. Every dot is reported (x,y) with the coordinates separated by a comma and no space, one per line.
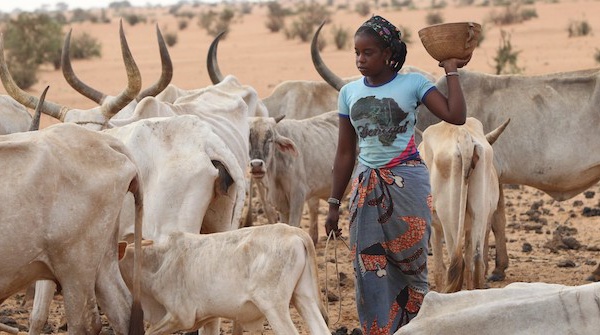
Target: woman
(390,213)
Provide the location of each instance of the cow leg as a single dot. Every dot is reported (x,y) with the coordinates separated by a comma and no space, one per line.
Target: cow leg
(44,292)
(113,295)
(167,325)
(248,218)
(438,252)
(499,229)
(80,305)
(211,328)
(313,210)
(264,199)
(281,321)
(310,312)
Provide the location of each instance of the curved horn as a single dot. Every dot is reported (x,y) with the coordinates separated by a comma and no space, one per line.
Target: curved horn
(24,98)
(134,80)
(211,61)
(330,77)
(167,70)
(35,122)
(493,135)
(67,70)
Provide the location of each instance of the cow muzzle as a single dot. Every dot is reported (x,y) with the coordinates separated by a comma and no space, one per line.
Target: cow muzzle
(257,168)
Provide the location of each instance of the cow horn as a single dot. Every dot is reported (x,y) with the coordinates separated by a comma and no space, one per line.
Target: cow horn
(24,98)
(493,135)
(167,70)
(211,61)
(330,77)
(134,80)
(35,122)
(67,70)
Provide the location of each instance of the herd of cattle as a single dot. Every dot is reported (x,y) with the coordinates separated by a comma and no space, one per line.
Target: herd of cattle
(158,166)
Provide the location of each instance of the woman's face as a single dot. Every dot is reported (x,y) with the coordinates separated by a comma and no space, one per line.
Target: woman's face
(370,57)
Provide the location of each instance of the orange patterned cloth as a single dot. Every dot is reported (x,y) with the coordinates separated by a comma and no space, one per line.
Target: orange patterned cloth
(390,224)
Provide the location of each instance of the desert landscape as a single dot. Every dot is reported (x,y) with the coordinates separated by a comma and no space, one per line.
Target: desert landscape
(548,241)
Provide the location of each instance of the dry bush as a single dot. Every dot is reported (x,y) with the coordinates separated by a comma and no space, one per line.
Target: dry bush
(579,28)
(506,58)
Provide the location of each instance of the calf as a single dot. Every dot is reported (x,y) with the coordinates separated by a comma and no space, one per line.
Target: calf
(465,191)
(246,275)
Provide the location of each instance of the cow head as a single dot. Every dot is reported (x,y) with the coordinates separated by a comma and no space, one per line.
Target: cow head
(264,140)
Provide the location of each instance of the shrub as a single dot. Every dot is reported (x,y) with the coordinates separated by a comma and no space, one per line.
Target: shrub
(215,23)
(597,56)
(182,24)
(34,39)
(362,8)
(579,28)
(309,16)
(434,18)
(512,14)
(171,38)
(134,19)
(405,34)
(85,46)
(506,57)
(275,17)
(23,73)
(341,37)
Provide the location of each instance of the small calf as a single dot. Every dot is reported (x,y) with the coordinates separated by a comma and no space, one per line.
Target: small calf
(244,275)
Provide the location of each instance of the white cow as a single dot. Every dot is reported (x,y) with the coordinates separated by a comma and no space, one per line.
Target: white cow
(295,158)
(66,222)
(192,181)
(517,309)
(246,274)
(551,114)
(464,186)
(14,117)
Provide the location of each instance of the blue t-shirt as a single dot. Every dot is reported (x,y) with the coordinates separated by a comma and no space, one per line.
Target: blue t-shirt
(384,117)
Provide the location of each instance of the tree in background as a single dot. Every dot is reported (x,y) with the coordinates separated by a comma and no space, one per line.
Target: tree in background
(31,40)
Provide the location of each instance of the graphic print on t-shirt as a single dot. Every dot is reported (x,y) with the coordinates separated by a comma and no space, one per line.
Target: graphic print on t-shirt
(379,117)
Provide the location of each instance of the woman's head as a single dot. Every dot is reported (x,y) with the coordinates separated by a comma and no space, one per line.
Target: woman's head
(387,36)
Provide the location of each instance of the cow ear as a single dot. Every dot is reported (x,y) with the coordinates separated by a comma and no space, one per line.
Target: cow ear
(122,247)
(286,145)
(147,243)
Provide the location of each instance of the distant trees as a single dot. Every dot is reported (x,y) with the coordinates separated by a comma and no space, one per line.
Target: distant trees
(32,39)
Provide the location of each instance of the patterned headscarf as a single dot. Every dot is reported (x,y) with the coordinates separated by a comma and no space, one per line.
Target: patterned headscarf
(391,37)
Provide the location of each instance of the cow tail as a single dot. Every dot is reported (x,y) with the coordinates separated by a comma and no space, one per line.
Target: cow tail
(136,322)
(311,265)
(456,269)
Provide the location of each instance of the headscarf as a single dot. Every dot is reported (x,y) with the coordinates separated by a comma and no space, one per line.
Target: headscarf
(391,36)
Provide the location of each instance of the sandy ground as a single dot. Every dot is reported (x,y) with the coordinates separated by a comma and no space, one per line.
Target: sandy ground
(263,60)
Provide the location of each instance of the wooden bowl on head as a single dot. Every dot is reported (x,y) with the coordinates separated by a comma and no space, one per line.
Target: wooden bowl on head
(450,40)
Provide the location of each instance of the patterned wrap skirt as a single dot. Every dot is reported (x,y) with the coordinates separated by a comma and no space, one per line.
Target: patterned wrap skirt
(390,225)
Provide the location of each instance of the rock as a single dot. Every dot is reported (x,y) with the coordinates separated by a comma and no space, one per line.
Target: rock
(526,247)
(567,263)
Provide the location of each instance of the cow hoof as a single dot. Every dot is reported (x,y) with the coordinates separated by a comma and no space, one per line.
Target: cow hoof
(496,277)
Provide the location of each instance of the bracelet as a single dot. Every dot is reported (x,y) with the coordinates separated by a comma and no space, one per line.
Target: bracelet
(453,73)
(334,201)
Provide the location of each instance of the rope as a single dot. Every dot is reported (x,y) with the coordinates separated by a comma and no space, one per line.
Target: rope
(339,286)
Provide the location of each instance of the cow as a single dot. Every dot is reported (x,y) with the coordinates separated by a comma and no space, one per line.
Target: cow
(516,309)
(66,222)
(246,274)
(14,117)
(464,188)
(99,97)
(295,157)
(550,115)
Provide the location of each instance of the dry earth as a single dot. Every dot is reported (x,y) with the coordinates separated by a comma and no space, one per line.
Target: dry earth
(548,241)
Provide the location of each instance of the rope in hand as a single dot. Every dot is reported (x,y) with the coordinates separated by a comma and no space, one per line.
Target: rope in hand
(339,286)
